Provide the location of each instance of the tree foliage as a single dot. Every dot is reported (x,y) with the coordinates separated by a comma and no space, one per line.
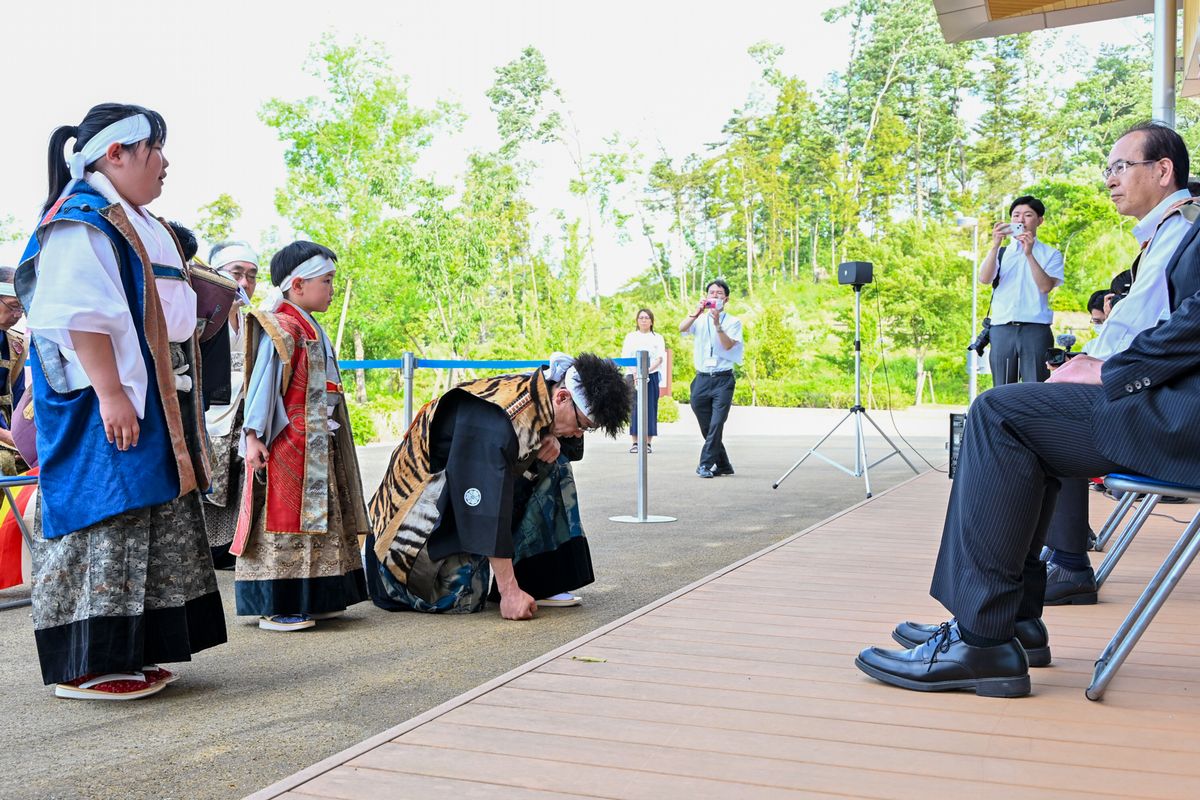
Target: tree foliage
(874,164)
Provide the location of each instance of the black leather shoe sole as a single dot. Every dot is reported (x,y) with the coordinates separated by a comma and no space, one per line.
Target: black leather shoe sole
(1076,599)
(1038,656)
(1018,686)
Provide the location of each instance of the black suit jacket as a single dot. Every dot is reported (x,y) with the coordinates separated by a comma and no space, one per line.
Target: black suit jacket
(1148,417)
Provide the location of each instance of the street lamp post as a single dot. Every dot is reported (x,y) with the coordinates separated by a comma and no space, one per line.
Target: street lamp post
(972,356)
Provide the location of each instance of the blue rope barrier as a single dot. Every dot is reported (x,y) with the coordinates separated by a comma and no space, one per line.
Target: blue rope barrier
(436,363)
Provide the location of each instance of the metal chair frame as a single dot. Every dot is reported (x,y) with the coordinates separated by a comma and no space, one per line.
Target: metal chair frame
(1160,586)
(6,484)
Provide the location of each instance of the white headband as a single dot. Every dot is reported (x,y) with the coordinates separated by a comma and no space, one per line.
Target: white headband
(232,253)
(314,267)
(7,290)
(562,371)
(130,130)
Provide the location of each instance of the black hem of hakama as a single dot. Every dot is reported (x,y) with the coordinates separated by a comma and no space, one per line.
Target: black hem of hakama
(561,570)
(300,595)
(126,644)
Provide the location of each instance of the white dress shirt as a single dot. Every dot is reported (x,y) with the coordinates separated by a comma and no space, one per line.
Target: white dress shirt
(1017,298)
(1148,302)
(649,341)
(709,355)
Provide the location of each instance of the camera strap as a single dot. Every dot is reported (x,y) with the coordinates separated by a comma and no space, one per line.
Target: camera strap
(995,280)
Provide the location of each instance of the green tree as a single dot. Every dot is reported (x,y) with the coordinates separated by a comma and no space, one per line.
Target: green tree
(215,220)
(351,159)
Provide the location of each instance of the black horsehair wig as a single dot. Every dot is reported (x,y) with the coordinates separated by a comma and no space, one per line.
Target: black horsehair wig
(292,256)
(98,118)
(606,390)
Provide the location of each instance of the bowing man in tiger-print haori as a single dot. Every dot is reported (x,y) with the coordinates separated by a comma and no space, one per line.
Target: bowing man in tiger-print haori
(482,485)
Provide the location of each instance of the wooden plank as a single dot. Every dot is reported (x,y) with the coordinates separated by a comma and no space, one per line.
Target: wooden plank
(743,685)
(756,757)
(355,783)
(530,772)
(736,730)
(730,776)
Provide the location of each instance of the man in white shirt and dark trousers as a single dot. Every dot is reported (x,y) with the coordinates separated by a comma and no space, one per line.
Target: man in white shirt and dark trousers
(1022,274)
(718,349)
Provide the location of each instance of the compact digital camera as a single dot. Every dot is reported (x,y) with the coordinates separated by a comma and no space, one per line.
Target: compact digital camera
(714,302)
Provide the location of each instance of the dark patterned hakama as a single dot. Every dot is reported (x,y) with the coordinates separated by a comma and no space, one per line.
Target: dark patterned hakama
(135,589)
(296,573)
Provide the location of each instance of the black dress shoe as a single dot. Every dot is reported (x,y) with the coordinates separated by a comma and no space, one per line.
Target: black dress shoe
(1066,587)
(946,662)
(1031,633)
(704,472)
(718,471)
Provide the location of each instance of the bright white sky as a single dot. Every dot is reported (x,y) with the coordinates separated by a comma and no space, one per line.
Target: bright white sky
(658,72)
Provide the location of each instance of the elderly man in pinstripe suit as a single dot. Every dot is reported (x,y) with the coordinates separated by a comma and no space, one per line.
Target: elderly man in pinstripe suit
(1132,411)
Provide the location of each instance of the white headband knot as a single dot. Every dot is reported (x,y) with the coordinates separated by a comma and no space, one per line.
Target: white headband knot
(129,130)
(314,267)
(562,371)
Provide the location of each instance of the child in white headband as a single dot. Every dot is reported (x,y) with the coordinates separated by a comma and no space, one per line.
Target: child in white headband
(297,540)
(121,448)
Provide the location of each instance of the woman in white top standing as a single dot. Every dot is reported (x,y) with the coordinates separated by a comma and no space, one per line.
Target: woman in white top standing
(644,338)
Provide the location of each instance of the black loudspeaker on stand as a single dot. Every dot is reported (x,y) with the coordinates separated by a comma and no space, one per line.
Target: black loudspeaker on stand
(854,274)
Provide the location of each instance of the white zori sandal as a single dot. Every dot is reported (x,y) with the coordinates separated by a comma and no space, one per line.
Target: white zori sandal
(114,686)
(561,600)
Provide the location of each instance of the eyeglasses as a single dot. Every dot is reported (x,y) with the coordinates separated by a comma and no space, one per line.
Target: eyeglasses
(13,305)
(1118,167)
(580,425)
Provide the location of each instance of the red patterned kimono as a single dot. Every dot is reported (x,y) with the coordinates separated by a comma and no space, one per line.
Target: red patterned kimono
(297,534)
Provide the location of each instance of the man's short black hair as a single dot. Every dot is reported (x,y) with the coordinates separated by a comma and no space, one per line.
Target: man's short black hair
(1096,301)
(286,260)
(606,391)
(1121,283)
(1160,141)
(1038,206)
(187,241)
(717,282)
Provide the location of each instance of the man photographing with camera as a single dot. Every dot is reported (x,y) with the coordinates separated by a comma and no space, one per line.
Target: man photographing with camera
(1022,275)
(718,349)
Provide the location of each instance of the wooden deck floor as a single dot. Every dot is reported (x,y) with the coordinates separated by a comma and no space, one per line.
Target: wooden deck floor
(743,686)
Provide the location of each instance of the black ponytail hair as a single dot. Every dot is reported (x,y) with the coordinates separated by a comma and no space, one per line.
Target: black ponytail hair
(292,256)
(97,119)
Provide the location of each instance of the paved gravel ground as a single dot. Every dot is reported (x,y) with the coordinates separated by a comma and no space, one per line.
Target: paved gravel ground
(265,705)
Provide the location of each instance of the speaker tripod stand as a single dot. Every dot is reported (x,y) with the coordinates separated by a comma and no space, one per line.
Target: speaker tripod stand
(858,413)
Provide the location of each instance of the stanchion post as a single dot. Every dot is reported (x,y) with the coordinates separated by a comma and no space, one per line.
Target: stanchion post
(643,420)
(409,368)
(642,381)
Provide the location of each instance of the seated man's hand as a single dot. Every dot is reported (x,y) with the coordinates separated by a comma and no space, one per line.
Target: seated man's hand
(1080,369)
(549,450)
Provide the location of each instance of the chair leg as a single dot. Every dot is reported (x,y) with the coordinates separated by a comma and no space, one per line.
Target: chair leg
(1114,519)
(1131,530)
(1144,610)
(12,505)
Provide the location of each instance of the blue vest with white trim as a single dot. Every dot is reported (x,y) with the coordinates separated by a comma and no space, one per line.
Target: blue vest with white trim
(84,478)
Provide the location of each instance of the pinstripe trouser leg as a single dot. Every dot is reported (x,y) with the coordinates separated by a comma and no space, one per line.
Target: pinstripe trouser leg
(1019,440)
